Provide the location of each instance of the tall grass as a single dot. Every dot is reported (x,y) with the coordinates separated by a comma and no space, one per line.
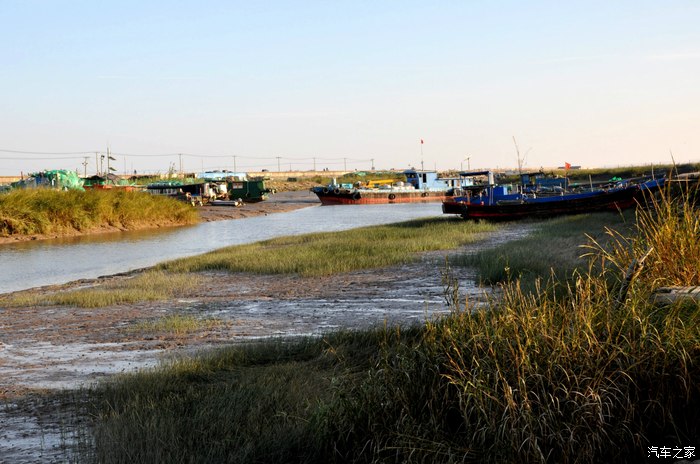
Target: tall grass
(562,374)
(329,253)
(244,404)
(44,211)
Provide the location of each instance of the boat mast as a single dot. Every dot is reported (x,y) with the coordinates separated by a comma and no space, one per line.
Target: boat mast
(520,160)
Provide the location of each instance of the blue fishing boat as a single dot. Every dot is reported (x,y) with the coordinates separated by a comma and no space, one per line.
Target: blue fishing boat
(484,199)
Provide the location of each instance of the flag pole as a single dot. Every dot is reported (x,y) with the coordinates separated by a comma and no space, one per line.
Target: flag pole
(421,154)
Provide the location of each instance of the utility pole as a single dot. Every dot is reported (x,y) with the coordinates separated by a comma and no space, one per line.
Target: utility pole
(314,164)
(180,155)
(345,164)
(85,163)
(372,164)
(234,164)
(109,158)
(97,165)
(278,164)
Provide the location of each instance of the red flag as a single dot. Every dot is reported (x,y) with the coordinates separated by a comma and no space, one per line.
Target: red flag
(421,141)
(567,166)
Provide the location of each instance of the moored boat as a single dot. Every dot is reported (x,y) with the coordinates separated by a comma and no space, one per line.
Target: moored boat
(486,200)
(419,187)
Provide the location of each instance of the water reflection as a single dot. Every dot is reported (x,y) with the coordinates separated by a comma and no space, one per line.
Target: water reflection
(32,264)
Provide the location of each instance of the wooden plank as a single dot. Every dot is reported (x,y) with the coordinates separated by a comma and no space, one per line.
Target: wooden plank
(670,295)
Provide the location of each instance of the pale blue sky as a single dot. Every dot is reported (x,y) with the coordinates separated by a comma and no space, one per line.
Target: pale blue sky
(592,83)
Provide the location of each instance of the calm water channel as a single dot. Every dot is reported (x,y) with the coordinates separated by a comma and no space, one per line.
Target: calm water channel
(32,264)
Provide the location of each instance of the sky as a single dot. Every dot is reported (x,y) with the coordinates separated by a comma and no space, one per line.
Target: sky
(347,84)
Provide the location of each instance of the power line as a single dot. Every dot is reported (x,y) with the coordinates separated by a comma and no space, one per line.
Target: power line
(41,159)
(193,155)
(47,152)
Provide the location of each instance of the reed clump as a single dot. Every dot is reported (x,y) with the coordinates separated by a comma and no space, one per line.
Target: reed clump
(45,211)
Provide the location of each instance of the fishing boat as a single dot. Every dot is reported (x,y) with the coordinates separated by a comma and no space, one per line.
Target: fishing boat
(419,187)
(487,200)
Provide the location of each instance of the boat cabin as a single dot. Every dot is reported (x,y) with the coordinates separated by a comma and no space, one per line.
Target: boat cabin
(426,180)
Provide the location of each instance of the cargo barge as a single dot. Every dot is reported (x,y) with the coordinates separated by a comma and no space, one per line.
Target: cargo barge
(504,202)
(419,187)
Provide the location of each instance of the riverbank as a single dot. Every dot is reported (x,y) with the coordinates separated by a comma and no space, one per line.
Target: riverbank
(44,349)
(277,203)
(566,343)
(586,370)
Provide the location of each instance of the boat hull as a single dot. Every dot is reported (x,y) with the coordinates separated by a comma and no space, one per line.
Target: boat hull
(369,198)
(601,201)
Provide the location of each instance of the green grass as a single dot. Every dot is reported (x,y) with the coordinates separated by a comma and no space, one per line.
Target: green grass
(555,245)
(44,211)
(175,325)
(249,403)
(147,286)
(337,252)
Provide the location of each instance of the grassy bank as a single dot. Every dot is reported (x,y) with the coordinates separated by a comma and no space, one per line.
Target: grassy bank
(579,374)
(44,211)
(147,286)
(553,245)
(306,255)
(336,252)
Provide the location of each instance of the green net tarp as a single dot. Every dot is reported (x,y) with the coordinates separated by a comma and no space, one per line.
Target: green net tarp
(56,178)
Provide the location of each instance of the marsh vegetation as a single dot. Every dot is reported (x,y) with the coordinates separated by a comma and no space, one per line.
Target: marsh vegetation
(571,371)
(46,211)
(570,362)
(337,252)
